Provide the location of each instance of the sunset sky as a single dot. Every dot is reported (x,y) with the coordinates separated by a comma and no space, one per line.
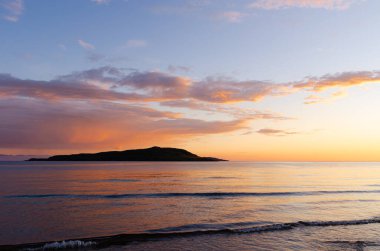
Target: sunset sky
(262,80)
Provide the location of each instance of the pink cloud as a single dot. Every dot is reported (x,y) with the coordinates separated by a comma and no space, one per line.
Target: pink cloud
(15,8)
(113,84)
(227,109)
(76,126)
(321,4)
(86,45)
(231,16)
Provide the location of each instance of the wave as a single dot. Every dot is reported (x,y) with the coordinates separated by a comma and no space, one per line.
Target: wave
(209,226)
(110,180)
(354,245)
(124,239)
(206,194)
(70,244)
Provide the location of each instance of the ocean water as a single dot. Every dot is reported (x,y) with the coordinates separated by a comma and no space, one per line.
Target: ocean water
(189,206)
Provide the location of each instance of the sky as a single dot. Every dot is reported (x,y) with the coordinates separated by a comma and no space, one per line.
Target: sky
(258,80)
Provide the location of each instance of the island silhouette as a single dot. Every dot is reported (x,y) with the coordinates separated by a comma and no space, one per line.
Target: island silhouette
(148,154)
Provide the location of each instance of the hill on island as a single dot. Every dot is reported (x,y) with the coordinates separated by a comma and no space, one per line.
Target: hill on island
(149,154)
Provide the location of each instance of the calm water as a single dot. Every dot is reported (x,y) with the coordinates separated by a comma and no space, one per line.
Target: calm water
(192,206)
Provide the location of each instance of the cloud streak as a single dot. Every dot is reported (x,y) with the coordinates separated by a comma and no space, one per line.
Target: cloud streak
(135,43)
(237,112)
(86,45)
(101,1)
(316,4)
(231,16)
(275,132)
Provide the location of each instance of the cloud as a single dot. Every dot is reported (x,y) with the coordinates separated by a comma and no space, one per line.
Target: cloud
(158,84)
(115,84)
(231,16)
(49,126)
(105,108)
(340,80)
(236,112)
(314,99)
(63,88)
(275,132)
(182,7)
(101,1)
(223,90)
(62,47)
(14,9)
(133,43)
(86,45)
(109,108)
(178,68)
(95,57)
(320,4)
(109,83)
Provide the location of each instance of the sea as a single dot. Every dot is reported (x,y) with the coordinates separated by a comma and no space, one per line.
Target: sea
(189,206)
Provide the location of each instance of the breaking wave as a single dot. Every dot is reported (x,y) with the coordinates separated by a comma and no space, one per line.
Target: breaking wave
(63,245)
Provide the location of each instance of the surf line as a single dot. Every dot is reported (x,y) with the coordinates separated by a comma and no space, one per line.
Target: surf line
(124,239)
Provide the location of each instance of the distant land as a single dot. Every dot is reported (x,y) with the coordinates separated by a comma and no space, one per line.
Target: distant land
(149,154)
(8,157)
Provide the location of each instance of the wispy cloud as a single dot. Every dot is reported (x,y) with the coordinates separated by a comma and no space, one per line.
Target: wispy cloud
(62,47)
(224,90)
(231,16)
(226,109)
(101,1)
(315,99)
(86,45)
(276,132)
(95,57)
(14,9)
(320,4)
(181,7)
(136,43)
(178,68)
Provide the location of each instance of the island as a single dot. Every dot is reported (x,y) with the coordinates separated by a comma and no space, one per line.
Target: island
(149,154)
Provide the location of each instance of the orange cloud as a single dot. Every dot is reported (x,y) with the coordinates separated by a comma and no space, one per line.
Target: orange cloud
(314,99)
(76,126)
(345,79)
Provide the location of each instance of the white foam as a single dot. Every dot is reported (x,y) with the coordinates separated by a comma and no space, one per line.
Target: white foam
(64,244)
